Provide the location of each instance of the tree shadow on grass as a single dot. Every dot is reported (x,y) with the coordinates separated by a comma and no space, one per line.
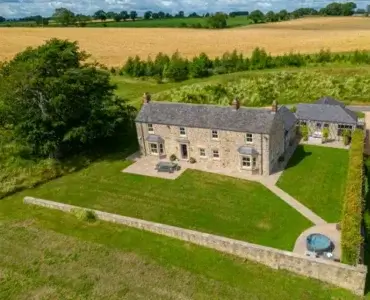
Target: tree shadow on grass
(298,155)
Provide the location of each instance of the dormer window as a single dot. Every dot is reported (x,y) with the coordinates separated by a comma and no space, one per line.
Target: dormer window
(150,128)
(214,134)
(182,131)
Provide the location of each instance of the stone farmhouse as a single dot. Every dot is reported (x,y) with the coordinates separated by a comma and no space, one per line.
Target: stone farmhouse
(249,140)
(239,138)
(326,113)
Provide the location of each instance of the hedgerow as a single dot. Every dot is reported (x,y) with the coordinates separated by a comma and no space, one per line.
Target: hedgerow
(203,66)
(353,202)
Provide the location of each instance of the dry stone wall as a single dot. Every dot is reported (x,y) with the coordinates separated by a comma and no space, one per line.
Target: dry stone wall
(345,276)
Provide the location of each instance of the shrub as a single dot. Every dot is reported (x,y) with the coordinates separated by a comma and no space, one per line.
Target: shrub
(304,132)
(192,160)
(353,202)
(113,70)
(325,134)
(84,214)
(346,137)
(293,109)
(173,157)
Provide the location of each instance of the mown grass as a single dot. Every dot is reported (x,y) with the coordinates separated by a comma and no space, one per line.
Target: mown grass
(46,254)
(196,200)
(316,176)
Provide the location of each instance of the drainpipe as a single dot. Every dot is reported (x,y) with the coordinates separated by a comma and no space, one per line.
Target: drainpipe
(261,155)
(142,138)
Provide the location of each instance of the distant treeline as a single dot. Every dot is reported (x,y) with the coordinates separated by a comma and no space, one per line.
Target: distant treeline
(67,17)
(178,68)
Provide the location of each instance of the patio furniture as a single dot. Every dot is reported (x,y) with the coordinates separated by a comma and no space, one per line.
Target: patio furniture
(165,166)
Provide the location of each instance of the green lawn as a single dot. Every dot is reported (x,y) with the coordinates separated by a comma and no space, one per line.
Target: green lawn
(196,200)
(316,176)
(46,254)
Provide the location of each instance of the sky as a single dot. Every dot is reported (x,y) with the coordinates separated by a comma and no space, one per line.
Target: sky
(22,8)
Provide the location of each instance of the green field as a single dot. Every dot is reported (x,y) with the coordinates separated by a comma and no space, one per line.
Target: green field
(45,254)
(196,200)
(316,176)
(141,23)
(338,80)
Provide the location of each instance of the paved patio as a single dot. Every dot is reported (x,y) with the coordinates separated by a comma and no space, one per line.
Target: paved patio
(326,229)
(146,166)
(331,144)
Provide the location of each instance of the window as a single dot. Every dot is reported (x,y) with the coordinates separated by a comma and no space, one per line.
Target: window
(326,125)
(150,128)
(216,153)
(215,134)
(248,137)
(303,123)
(318,125)
(182,131)
(154,148)
(161,148)
(344,126)
(202,152)
(246,162)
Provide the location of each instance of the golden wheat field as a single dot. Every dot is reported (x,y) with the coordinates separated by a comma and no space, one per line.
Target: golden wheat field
(112,46)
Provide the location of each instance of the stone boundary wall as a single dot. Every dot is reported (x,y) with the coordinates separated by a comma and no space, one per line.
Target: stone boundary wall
(349,277)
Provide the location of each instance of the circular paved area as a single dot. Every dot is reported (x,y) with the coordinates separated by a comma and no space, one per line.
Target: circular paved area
(329,230)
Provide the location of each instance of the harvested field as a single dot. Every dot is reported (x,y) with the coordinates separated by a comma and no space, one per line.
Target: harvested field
(112,46)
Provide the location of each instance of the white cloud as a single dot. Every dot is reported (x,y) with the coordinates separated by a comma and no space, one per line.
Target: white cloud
(20,8)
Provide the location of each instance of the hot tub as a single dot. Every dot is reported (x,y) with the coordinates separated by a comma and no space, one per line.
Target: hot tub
(318,243)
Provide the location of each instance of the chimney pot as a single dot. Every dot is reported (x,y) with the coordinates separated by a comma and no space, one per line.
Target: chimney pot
(235,104)
(146,98)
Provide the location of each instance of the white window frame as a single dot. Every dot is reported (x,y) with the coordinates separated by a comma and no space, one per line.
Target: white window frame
(156,152)
(249,159)
(182,131)
(150,128)
(214,134)
(249,138)
(218,154)
(200,152)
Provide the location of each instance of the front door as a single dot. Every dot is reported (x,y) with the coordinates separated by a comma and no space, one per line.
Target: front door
(184,151)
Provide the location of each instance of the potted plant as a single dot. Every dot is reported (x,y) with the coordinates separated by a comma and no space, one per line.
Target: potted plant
(173,157)
(192,160)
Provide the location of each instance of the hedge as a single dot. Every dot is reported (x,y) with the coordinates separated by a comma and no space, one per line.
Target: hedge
(353,202)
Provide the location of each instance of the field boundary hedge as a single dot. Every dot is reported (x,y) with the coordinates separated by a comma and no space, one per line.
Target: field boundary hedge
(352,239)
(178,68)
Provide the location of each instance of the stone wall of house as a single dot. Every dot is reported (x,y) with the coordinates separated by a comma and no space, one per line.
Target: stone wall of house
(349,277)
(227,144)
(276,142)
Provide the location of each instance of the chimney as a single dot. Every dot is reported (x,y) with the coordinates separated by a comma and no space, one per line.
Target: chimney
(235,104)
(274,107)
(146,98)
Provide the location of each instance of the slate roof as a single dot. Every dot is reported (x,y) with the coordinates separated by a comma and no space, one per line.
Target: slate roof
(326,113)
(154,138)
(289,118)
(247,150)
(329,101)
(207,116)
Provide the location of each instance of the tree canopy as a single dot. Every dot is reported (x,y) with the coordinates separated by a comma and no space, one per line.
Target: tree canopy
(57,104)
(219,20)
(63,16)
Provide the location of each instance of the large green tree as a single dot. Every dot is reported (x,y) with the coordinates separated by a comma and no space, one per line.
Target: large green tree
(57,104)
(64,16)
(219,20)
